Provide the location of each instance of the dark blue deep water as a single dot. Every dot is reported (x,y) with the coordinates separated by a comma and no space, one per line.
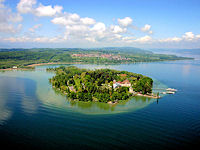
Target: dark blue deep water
(32,115)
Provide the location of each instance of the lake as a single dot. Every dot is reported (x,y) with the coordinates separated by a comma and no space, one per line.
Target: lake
(33,115)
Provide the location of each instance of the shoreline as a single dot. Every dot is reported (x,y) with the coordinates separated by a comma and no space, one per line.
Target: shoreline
(11,69)
(40,64)
(149,96)
(60,63)
(143,95)
(53,63)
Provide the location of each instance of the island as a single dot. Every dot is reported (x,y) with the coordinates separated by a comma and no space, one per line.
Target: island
(101,85)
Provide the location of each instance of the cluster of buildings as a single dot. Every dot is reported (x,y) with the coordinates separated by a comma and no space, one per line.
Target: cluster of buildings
(108,56)
(124,83)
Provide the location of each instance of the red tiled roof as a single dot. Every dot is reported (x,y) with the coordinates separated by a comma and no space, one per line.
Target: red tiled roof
(126,82)
(123,75)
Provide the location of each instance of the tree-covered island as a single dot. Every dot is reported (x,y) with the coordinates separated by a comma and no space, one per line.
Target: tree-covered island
(103,85)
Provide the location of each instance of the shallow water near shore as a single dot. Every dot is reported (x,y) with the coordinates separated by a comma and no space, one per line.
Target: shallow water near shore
(32,114)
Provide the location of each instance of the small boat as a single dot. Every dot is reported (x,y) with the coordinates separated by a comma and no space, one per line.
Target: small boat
(170,92)
(170,89)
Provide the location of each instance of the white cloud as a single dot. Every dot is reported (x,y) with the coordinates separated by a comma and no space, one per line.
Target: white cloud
(26,6)
(88,21)
(60,21)
(29,6)
(76,29)
(84,34)
(67,19)
(117,29)
(125,22)
(144,39)
(188,36)
(75,26)
(147,28)
(128,39)
(9,20)
(99,27)
(86,29)
(42,11)
(174,39)
(80,28)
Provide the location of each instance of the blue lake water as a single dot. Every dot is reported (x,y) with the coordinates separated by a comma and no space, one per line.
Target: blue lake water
(33,115)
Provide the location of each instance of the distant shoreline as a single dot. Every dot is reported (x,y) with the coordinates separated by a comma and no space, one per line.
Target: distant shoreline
(64,63)
(41,64)
(9,69)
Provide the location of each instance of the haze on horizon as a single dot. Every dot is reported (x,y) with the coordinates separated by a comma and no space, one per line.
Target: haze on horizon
(136,23)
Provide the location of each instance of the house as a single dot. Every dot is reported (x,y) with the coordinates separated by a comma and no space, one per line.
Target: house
(126,83)
(116,84)
(14,67)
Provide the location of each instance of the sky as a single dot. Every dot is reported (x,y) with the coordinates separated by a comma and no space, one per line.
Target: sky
(100,23)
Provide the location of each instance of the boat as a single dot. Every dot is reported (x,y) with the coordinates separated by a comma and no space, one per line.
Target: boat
(170,89)
(170,92)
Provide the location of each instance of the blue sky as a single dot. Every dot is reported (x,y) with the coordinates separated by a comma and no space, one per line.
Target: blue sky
(86,23)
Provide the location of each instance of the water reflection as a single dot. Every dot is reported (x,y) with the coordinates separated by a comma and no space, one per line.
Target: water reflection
(27,88)
(133,104)
(5,112)
(16,93)
(29,105)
